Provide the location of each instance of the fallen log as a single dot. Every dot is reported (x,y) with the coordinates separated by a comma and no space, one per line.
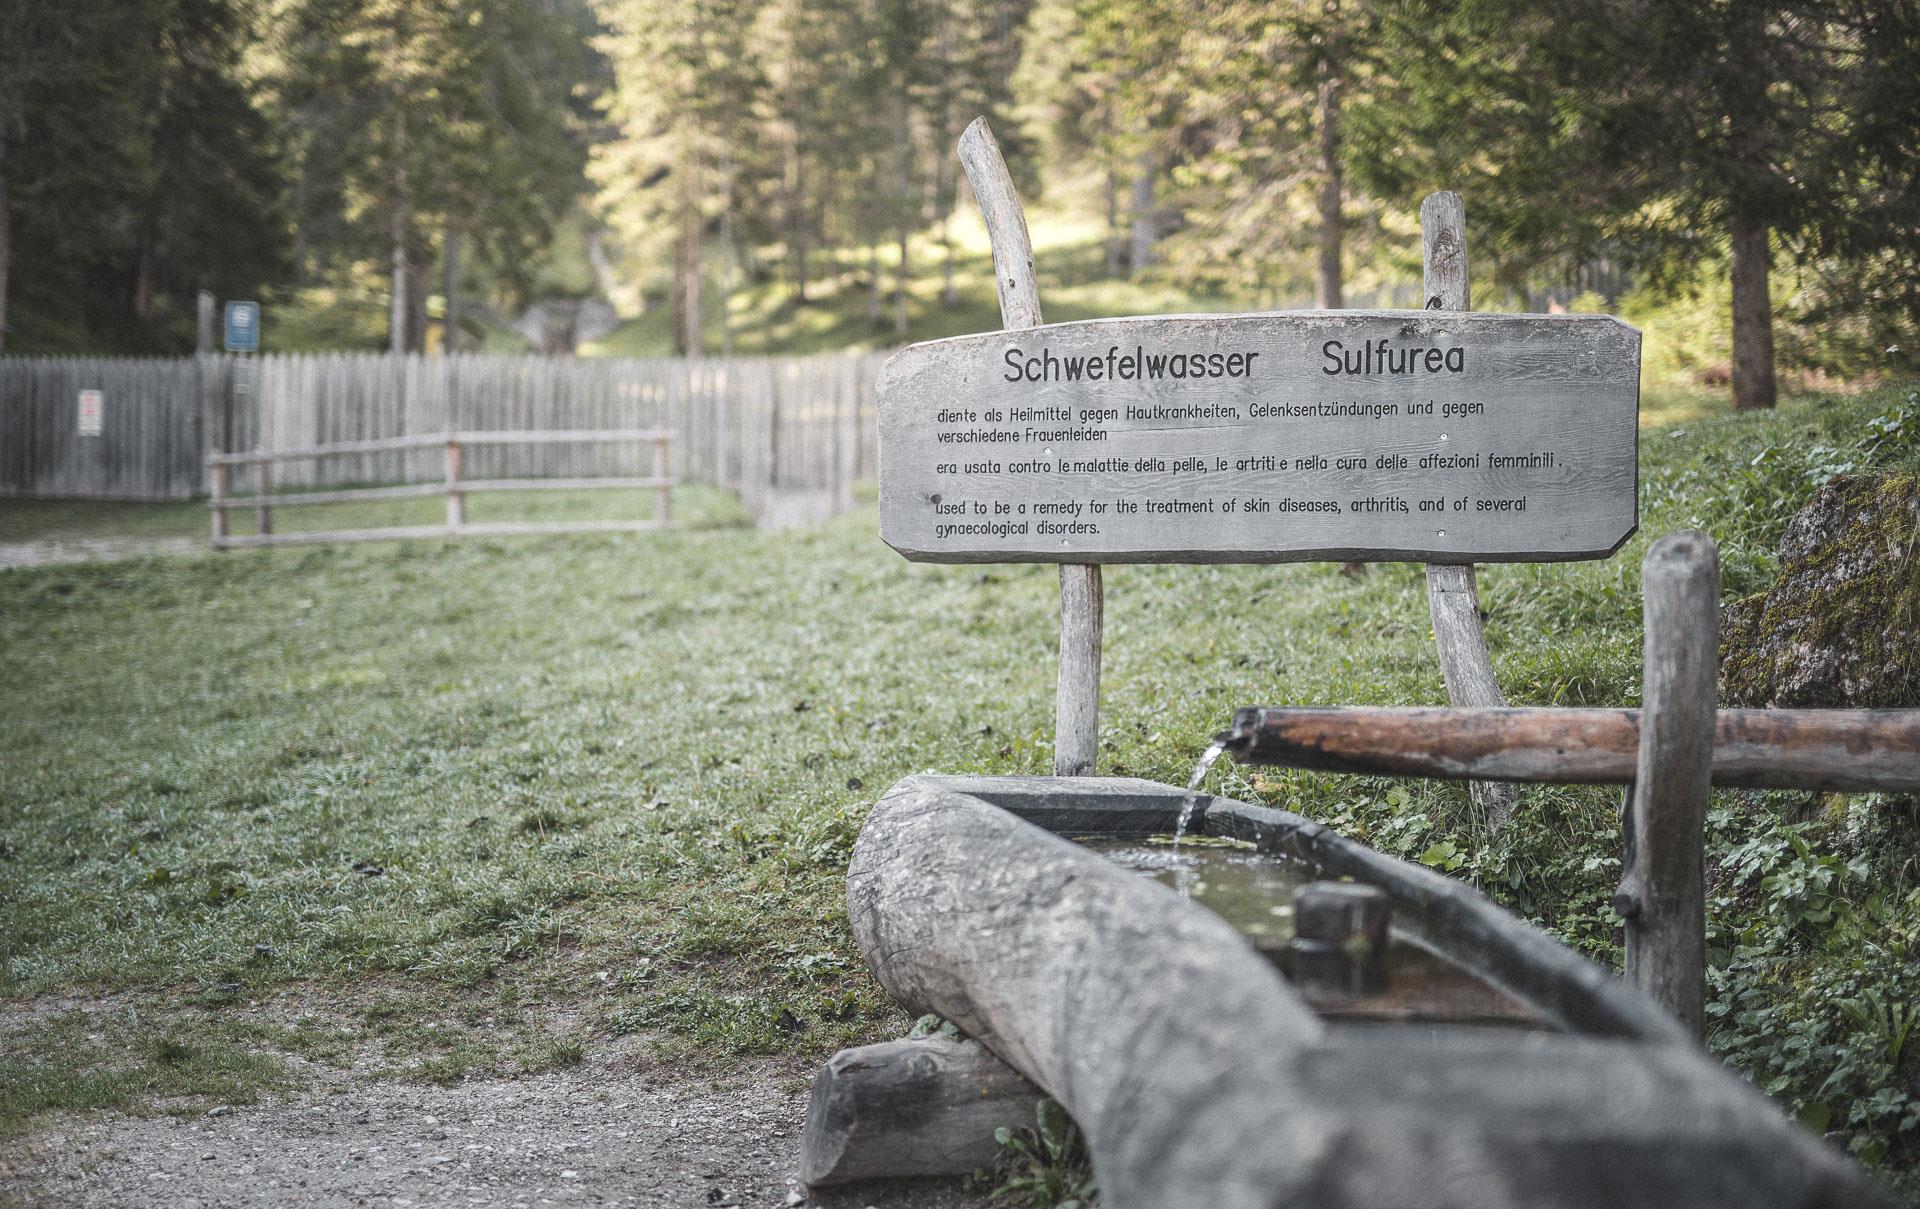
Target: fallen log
(919,1107)
(1199,1077)
(1859,750)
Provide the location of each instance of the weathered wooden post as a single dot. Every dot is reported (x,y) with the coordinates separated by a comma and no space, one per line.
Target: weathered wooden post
(219,469)
(918,1107)
(263,478)
(1452,596)
(663,498)
(1076,728)
(456,499)
(1662,891)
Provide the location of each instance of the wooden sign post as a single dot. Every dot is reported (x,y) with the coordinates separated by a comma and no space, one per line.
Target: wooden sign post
(1439,436)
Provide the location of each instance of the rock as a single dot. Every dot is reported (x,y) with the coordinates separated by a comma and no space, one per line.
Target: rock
(1837,628)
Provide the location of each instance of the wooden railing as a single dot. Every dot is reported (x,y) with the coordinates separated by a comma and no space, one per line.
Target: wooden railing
(1669,754)
(455,488)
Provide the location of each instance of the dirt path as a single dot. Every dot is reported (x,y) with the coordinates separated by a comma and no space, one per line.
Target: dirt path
(93,549)
(592,1135)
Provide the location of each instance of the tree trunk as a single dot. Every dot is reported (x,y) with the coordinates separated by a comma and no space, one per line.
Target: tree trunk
(143,280)
(900,287)
(6,241)
(1140,251)
(1328,293)
(1753,385)
(1750,184)
(416,296)
(796,224)
(874,291)
(1116,240)
(450,292)
(950,264)
(731,257)
(688,336)
(903,182)
(397,310)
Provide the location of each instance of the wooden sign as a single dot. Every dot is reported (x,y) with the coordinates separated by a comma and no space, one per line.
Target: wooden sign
(1435,436)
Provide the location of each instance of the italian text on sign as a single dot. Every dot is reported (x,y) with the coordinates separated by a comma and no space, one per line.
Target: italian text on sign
(92,413)
(1387,435)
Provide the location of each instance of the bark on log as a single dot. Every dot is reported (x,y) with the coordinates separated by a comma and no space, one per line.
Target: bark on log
(1199,1077)
(1846,750)
(920,1107)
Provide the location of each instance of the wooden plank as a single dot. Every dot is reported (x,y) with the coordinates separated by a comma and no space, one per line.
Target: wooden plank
(1662,893)
(1530,452)
(406,532)
(378,445)
(562,436)
(429,439)
(1825,749)
(1076,727)
(1453,598)
(919,1107)
(624,482)
(348,495)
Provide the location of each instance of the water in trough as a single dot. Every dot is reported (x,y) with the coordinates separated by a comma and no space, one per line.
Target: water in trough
(1254,890)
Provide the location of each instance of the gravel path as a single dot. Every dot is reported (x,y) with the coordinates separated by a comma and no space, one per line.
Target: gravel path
(593,1135)
(93,549)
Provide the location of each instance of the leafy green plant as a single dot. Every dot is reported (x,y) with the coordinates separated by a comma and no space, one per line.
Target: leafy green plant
(1043,1166)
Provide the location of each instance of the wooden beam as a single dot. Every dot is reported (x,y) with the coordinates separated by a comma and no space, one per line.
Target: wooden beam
(919,1107)
(1662,891)
(1452,596)
(1828,749)
(1076,731)
(536,436)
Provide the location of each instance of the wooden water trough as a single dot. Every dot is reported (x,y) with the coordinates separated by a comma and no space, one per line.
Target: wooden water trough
(1203,1075)
(1404,1041)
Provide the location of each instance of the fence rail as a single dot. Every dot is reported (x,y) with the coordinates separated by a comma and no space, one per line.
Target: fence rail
(764,427)
(455,486)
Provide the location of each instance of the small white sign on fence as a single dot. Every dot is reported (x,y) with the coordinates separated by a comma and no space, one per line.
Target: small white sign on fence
(92,409)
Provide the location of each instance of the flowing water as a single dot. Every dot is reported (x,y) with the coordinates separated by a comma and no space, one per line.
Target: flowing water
(1214,751)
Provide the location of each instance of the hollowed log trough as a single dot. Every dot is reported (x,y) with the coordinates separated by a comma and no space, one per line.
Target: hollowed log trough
(1201,1076)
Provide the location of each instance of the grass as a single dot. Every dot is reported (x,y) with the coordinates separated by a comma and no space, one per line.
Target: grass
(623,774)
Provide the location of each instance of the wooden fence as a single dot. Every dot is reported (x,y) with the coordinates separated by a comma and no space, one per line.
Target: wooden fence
(455,486)
(764,427)
(150,442)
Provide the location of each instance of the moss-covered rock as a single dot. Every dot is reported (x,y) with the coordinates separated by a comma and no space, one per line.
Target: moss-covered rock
(1840,627)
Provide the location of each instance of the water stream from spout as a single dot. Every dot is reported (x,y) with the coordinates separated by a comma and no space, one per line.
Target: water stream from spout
(1214,751)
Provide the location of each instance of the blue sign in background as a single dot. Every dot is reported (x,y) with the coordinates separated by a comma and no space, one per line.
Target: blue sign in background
(243,327)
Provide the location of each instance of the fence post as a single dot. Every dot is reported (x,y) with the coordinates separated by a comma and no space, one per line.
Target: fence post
(263,476)
(663,507)
(1453,598)
(219,505)
(1662,893)
(1076,728)
(456,499)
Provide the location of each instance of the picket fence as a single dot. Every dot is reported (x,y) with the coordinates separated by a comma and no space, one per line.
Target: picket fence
(760,426)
